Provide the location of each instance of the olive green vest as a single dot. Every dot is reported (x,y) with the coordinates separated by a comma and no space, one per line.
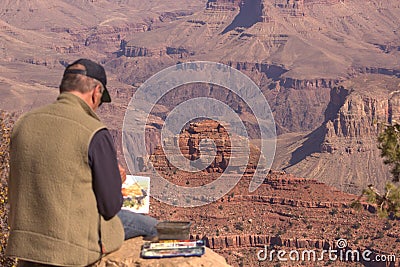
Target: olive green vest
(53,211)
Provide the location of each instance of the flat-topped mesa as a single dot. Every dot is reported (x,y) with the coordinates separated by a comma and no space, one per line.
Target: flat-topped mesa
(199,136)
(279,179)
(130,50)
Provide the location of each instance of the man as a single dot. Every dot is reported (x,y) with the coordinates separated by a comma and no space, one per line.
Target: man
(65,181)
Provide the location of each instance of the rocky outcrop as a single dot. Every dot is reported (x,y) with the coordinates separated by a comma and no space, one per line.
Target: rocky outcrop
(137,51)
(377,70)
(361,113)
(301,84)
(348,156)
(190,141)
(129,255)
(291,202)
(276,73)
(360,117)
(247,241)
(389,47)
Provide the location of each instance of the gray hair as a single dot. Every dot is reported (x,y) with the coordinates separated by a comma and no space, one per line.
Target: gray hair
(77,82)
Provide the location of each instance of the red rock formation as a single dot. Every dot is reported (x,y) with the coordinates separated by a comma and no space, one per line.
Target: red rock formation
(189,144)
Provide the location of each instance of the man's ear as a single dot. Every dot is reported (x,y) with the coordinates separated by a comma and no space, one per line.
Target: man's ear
(93,94)
(96,90)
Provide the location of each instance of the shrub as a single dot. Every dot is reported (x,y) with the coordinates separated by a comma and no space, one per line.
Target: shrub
(356,225)
(333,211)
(388,203)
(239,226)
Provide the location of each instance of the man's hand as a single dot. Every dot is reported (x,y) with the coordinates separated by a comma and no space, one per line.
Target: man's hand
(122,172)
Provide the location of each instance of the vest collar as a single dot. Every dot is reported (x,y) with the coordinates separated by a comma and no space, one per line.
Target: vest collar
(72,99)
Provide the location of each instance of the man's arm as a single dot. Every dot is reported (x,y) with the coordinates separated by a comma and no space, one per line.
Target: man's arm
(106,174)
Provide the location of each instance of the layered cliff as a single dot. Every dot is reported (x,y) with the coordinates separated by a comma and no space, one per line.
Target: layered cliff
(348,156)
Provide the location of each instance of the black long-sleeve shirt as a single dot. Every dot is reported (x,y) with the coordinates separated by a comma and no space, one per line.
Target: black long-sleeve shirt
(105,172)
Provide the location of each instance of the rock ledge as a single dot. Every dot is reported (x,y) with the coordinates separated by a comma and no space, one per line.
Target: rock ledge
(128,255)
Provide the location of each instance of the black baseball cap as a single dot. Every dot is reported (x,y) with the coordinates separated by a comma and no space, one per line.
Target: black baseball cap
(92,70)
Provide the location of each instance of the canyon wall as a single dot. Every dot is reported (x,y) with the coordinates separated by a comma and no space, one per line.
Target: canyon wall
(348,156)
(297,104)
(362,113)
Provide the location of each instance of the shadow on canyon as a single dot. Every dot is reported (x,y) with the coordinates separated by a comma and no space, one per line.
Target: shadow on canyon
(312,145)
(250,14)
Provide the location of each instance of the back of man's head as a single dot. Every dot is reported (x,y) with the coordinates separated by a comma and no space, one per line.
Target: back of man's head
(82,76)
